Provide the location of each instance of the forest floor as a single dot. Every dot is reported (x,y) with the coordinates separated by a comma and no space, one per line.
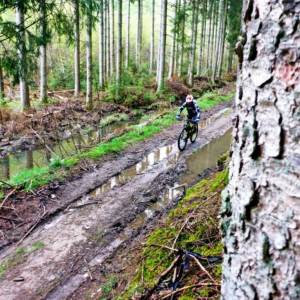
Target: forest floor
(56,241)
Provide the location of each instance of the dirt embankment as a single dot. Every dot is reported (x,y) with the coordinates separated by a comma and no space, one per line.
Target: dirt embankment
(67,245)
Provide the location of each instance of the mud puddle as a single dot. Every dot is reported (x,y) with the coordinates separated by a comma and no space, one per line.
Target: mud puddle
(151,159)
(41,156)
(197,162)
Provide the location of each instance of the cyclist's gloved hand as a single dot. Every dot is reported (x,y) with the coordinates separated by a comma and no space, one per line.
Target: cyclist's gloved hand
(178,118)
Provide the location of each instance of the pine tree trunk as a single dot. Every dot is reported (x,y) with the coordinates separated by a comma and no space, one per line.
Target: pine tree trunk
(119,44)
(139,35)
(176,41)
(260,211)
(89,90)
(112,34)
(193,42)
(28,159)
(159,41)
(202,37)
(214,34)
(77,48)
(6,168)
(128,36)
(163,45)
(108,40)
(218,43)
(43,52)
(104,38)
(223,40)
(22,64)
(230,58)
(172,56)
(101,46)
(181,48)
(209,37)
(152,38)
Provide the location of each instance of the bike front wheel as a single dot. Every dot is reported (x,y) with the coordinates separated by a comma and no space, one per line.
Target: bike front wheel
(194,134)
(182,139)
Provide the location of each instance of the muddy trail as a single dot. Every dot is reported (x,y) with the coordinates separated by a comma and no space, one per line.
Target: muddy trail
(82,222)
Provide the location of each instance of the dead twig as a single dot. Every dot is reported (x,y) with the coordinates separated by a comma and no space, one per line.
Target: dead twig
(202,268)
(189,287)
(9,194)
(81,205)
(90,274)
(31,229)
(6,184)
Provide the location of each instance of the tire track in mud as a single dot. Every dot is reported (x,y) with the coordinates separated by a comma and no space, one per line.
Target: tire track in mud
(84,237)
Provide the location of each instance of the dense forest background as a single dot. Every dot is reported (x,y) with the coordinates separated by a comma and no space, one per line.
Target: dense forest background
(89,45)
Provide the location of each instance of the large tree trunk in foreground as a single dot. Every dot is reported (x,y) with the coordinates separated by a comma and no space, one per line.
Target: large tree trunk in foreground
(261,204)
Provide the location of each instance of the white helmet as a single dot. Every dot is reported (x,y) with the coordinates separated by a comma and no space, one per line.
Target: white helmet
(189,98)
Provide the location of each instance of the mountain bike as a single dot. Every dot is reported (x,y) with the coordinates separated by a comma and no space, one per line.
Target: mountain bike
(189,131)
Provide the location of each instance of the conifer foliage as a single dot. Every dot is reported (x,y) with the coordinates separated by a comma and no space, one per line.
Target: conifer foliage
(164,38)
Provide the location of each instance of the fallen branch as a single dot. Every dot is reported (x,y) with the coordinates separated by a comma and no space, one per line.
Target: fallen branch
(8,219)
(202,268)
(6,184)
(81,205)
(31,229)
(189,287)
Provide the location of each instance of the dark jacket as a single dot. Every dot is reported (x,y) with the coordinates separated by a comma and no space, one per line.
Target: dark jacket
(193,110)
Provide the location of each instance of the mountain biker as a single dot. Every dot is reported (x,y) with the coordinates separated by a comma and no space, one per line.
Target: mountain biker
(193,110)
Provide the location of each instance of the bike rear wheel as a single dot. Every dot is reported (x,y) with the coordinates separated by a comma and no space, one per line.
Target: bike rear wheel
(194,134)
(182,139)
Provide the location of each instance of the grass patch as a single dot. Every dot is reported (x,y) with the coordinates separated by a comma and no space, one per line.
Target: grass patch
(212,99)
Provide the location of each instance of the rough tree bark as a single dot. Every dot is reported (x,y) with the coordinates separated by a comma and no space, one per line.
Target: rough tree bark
(260,211)
(22,64)
(77,48)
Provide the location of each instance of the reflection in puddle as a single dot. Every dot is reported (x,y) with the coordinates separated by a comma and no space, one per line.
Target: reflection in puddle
(140,167)
(40,156)
(197,163)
